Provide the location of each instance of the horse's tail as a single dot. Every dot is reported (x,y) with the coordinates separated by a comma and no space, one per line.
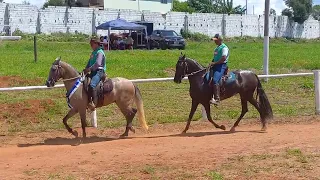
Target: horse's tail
(264,104)
(139,103)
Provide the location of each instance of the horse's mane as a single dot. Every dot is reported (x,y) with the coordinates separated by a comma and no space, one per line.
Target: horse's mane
(195,62)
(66,64)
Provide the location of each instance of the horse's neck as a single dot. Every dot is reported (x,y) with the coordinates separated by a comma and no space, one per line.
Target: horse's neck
(193,66)
(69,73)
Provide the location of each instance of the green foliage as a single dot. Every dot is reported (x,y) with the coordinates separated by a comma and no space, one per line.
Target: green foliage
(182,7)
(316,12)
(203,6)
(299,10)
(54,3)
(62,3)
(215,6)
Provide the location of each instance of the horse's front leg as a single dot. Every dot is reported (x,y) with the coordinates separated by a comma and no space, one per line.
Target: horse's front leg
(193,109)
(71,113)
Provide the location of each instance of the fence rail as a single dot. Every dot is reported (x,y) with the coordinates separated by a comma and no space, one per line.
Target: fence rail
(315,73)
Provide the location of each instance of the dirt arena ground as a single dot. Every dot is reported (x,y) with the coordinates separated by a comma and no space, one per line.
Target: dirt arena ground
(290,149)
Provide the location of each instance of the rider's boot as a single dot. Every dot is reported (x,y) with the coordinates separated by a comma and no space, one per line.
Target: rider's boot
(216,95)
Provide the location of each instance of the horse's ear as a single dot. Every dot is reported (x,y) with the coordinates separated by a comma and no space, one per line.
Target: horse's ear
(184,57)
(181,53)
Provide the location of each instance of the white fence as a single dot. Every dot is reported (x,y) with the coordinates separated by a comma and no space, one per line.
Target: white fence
(316,74)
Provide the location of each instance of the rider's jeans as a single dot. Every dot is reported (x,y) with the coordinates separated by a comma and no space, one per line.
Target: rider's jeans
(218,71)
(96,78)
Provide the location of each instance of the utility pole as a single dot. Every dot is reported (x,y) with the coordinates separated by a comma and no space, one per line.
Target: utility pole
(246,7)
(266,38)
(253,10)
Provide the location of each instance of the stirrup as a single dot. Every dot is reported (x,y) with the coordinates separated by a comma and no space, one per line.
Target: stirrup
(91,107)
(215,102)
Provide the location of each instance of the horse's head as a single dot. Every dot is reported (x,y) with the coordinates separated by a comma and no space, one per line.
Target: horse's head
(55,73)
(181,68)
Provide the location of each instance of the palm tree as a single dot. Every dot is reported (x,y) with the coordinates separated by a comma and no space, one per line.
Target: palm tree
(227,7)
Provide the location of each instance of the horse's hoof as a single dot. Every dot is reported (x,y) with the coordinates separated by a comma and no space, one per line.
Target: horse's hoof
(233,129)
(222,127)
(132,129)
(75,133)
(264,129)
(84,136)
(184,132)
(124,135)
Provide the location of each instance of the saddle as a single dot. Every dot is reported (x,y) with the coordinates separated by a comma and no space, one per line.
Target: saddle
(208,77)
(227,78)
(104,87)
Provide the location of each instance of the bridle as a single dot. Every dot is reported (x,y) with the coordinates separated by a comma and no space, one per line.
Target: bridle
(57,70)
(186,68)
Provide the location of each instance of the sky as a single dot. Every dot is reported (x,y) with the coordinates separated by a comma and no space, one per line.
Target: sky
(258,5)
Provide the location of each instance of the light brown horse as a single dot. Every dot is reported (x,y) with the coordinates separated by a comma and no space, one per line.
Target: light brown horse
(124,93)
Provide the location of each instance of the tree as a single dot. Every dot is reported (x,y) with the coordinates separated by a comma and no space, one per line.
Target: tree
(299,10)
(54,3)
(182,7)
(273,12)
(202,6)
(69,3)
(316,12)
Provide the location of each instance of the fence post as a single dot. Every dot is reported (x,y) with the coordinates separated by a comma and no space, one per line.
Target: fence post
(94,119)
(35,48)
(204,113)
(317,90)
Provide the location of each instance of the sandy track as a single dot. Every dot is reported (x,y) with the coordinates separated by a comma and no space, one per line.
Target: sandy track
(163,153)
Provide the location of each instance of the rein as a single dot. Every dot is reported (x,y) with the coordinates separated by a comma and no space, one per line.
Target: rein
(195,72)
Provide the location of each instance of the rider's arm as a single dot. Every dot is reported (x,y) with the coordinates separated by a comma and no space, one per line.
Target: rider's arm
(98,62)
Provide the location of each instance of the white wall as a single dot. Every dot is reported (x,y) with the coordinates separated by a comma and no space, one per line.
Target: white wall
(29,19)
(152,6)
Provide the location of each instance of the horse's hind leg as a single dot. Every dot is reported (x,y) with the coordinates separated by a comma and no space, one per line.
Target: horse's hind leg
(83,122)
(255,104)
(71,113)
(129,113)
(207,107)
(244,105)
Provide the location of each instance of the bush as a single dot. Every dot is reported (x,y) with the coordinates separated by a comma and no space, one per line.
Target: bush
(194,36)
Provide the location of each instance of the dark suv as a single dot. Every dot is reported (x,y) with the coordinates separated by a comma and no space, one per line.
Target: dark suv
(166,39)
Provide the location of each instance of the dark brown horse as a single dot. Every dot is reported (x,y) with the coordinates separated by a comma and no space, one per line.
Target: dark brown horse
(241,81)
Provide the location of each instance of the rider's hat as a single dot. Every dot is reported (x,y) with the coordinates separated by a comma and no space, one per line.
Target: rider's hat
(95,39)
(217,37)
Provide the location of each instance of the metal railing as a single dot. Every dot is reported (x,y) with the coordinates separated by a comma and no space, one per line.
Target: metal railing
(315,73)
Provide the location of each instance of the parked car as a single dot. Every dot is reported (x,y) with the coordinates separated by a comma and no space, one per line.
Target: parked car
(165,39)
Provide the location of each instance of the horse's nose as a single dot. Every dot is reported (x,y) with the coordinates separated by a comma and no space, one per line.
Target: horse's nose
(48,83)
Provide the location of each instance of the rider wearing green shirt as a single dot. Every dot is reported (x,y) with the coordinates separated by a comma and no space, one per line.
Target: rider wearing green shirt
(97,66)
(219,66)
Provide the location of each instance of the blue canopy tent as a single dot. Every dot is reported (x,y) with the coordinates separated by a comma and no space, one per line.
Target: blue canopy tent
(120,24)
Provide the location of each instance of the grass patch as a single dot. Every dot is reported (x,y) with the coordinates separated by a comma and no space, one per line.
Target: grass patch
(215,175)
(165,102)
(149,170)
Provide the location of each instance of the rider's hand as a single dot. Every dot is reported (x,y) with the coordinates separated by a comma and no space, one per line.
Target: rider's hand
(86,71)
(212,64)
